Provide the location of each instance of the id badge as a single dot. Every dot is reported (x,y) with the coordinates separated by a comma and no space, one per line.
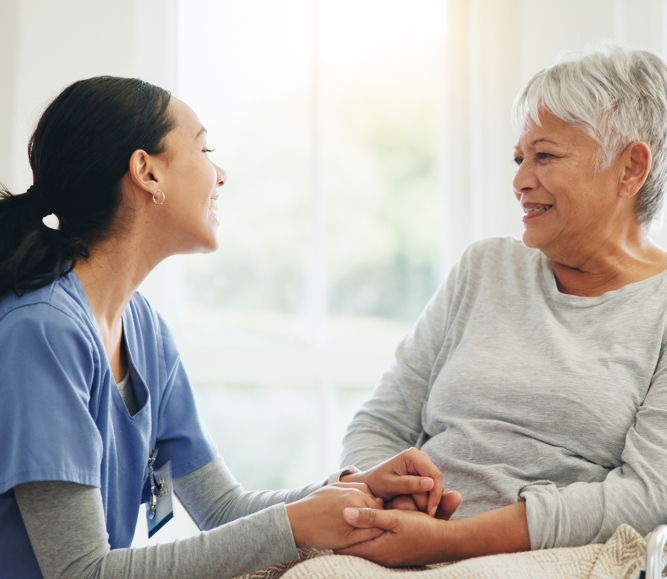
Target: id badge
(160,507)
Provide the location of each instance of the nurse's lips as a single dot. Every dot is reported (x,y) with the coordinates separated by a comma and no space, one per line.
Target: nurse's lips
(213,204)
(534,210)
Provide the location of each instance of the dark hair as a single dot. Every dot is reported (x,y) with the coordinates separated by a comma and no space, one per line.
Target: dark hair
(79,153)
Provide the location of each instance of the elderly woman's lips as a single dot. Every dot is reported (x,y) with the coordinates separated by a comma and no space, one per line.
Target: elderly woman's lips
(536,211)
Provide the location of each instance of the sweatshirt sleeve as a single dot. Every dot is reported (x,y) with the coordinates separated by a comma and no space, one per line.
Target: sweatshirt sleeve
(213,497)
(635,491)
(67,530)
(391,420)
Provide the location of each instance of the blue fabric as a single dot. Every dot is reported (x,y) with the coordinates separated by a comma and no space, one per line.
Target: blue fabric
(63,418)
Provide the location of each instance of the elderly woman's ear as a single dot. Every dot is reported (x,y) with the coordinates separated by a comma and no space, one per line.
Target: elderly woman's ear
(635,161)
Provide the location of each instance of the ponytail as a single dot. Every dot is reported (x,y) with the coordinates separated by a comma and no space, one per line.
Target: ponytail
(31,254)
(79,153)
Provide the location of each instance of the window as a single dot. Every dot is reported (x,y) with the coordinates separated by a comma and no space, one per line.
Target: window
(326,117)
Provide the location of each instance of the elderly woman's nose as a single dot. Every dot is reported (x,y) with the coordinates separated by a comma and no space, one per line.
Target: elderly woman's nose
(525,179)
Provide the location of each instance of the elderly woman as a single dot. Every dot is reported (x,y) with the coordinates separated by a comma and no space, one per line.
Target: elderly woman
(536,377)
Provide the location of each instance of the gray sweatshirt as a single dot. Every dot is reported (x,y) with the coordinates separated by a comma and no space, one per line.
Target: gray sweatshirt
(517,391)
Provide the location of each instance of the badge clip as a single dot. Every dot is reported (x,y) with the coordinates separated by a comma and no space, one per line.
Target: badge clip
(160,509)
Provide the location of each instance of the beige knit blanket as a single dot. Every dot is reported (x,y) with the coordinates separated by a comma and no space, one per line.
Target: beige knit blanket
(621,557)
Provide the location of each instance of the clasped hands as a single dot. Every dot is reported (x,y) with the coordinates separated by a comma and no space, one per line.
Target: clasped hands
(391,513)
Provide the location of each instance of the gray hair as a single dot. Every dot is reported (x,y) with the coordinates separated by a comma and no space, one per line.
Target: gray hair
(615,95)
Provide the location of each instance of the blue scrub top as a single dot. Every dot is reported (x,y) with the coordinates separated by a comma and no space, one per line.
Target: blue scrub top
(63,418)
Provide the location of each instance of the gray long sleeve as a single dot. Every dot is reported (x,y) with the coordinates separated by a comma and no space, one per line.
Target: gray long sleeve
(66,525)
(213,497)
(517,391)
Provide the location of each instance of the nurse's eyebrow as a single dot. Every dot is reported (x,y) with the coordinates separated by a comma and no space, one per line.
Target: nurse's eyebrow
(202,130)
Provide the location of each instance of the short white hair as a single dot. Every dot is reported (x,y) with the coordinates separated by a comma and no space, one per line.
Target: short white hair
(617,96)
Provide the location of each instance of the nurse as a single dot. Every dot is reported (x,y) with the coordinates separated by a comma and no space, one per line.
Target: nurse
(97,413)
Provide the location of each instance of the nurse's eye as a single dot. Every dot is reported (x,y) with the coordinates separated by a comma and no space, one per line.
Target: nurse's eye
(207,150)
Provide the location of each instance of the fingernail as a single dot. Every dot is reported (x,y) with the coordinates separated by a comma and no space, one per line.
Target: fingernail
(433,510)
(426,483)
(351,513)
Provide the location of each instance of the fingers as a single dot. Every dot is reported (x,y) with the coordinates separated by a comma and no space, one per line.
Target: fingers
(425,467)
(426,493)
(359,494)
(361,535)
(409,473)
(371,502)
(364,518)
(412,485)
(365,550)
(421,500)
(448,504)
(404,503)
(416,502)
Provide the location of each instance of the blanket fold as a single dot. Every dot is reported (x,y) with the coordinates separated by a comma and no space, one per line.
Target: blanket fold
(621,557)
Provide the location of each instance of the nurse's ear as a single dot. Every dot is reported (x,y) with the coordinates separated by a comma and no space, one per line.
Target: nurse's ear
(143,176)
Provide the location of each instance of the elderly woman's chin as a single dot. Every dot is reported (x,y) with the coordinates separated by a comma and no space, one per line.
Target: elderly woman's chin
(538,231)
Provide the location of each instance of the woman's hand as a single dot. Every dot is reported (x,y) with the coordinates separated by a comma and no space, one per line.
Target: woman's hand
(409,473)
(412,538)
(317,520)
(409,537)
(448,504)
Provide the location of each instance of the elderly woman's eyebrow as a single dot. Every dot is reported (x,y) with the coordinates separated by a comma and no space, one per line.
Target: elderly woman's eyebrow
(517,148)
(542,140)
(202,130)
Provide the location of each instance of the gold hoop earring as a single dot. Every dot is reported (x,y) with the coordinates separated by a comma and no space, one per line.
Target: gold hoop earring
(163,198)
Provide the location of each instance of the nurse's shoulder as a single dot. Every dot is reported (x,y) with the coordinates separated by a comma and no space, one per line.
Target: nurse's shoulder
(59,303)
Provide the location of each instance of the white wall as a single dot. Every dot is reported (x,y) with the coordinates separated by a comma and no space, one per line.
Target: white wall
(494,47)
(47,45)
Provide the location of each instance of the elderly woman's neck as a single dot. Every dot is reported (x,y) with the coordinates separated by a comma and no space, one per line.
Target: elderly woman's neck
(609,269)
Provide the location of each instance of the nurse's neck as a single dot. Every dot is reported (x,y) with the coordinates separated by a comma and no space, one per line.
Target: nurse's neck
(109,278)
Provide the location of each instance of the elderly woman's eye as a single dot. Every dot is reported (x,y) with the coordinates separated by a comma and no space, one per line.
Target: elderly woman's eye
(543,156)
(518,160)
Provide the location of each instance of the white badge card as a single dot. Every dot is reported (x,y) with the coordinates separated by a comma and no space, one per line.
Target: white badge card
(160,507)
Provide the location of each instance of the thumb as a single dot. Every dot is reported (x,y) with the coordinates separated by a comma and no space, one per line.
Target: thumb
(364,518)
(448,504)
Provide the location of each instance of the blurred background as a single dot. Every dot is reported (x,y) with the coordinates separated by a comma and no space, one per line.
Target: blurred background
(366,142)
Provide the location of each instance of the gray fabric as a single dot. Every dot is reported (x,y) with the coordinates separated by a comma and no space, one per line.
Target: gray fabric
(211,504)
(66,525)
(512,387)
(126,389)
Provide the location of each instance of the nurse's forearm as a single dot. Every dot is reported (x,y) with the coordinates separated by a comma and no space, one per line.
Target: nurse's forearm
(213,497)
(67,530)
